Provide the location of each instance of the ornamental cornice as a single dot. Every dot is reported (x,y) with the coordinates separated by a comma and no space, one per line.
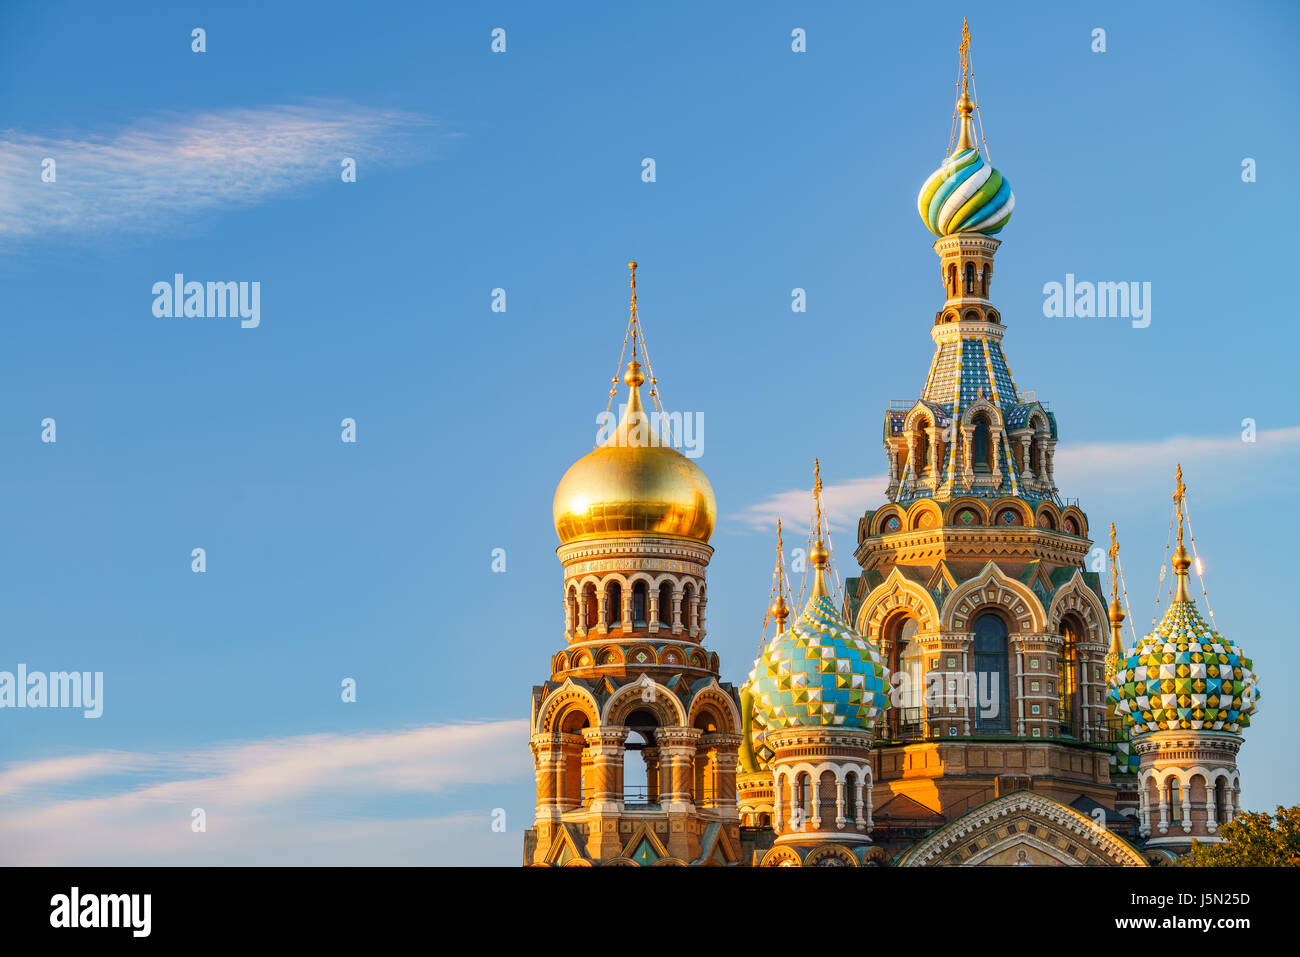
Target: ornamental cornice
(967,328)
(667,550)
(986,542)
(1199,744)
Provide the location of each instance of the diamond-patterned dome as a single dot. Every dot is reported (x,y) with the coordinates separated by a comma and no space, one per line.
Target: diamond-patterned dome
(818,672)
(1184,676)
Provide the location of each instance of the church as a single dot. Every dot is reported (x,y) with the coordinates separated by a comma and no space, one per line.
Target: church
(969,699)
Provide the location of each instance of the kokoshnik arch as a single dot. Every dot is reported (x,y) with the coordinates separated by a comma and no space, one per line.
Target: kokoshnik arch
(856,739)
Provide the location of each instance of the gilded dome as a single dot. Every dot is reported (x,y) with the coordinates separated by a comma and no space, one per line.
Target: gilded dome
(634,483)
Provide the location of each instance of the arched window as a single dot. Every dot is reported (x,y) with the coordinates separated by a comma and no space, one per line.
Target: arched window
(805,795)
(850,795)
(688,618)
(593,606)
(614,604)
(1175,802)
(639,602)
(911,662)
(952,279)
(993,701)
(571,609)
(922,461)
(640,760)
(984,281)
(666,603)
(1067,678)
(980,459)
(970,279)
(1221,800)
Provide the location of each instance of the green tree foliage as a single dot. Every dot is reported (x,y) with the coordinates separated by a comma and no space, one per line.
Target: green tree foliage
(1253,840)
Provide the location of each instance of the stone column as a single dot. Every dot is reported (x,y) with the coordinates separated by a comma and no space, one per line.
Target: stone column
(840,819)
(653,613)
(571,746)
(1026,473)
(581,627)
(859,817)
(702,603)
(778,804)
(627,609)
(815,799)
(653,770)
(605,745)
(726,758)
(547,756)
(694,630)
(967,443)
(606,749)
(677,611)
(870,801)
(932,459)
(995,455)
(677,745)
(602,626)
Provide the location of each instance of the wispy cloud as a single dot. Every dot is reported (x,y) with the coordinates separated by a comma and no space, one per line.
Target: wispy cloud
(168,169)
(265,801)
(1093,465)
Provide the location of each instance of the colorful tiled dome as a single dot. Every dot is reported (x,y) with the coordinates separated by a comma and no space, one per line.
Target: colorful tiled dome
(819,672)
(1184,676)
(965,195)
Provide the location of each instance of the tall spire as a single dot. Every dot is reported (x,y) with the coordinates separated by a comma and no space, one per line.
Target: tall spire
(1181,561)
(1116,651)
(780,610)
(965,105)
(820,554)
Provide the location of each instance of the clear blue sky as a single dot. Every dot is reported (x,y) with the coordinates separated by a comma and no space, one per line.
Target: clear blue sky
(522,171)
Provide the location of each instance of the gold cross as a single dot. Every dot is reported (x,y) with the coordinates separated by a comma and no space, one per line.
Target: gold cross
(964,52)
(1114,563)
(817,494)
(1180,493)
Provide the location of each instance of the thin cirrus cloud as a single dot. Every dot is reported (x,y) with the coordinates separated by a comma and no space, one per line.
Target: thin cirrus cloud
(167,170)
(294,800)
(1094,467)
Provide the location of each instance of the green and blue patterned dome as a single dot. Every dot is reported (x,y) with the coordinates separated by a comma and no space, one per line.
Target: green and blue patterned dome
(817,673)
(966,195)
(1184,676)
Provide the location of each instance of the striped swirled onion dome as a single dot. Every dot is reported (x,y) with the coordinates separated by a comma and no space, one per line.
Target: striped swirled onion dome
(818,672)
(1184,676)
(966,195)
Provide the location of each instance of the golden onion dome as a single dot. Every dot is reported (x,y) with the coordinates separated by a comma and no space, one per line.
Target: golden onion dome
(634,483)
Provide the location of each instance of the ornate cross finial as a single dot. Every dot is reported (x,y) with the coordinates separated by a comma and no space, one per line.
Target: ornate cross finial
(779,609)
(1114,563)
(632,267)
(817,493)
(1180,493)
(780,559)
(964,52)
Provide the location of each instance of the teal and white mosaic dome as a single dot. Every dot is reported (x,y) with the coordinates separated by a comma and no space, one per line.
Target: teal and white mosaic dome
(818,672)
(1184,676)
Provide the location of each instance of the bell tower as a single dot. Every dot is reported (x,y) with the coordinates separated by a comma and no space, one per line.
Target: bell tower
(634,736)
